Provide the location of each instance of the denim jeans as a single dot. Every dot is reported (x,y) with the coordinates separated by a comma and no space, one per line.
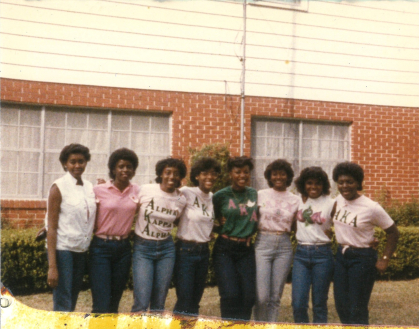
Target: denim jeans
(191,268)
(152,269)
(273,263)
(235,272)
(110,262)
(313,267)
(71,268)
(354,279)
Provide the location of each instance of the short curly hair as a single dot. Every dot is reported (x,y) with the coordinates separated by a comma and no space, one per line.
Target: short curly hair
(279,164)
(350,169)
(73,148)
(121,154)
(171,163)
(203,164)
(312,173)
(239,162)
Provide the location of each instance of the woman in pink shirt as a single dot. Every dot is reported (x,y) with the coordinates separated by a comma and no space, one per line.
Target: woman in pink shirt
(356,264)
(110,250)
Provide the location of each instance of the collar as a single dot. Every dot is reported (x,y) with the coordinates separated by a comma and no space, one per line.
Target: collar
(109,184)
(71,179)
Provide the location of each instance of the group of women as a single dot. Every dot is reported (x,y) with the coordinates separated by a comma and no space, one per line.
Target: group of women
(250,273)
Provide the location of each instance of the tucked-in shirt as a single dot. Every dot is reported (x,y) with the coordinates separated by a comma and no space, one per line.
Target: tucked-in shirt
(313,219)
(77,214)
(239,210)
(115,209)
(158,211)
(197,219)
(355,221)
(276,210)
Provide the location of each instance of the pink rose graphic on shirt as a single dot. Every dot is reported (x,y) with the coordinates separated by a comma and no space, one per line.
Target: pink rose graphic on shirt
(300,217)
(309,217)
(317,218)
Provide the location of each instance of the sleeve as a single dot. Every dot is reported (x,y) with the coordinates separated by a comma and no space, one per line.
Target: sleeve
(97,190)
(140,194)
(381,218)
(259,198)
(216,201)
(329,208)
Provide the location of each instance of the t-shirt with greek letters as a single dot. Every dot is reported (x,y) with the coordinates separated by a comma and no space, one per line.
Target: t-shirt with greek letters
(276,210)
(355,221)
(197,219)
(239,209)
(313,219)
(158,211)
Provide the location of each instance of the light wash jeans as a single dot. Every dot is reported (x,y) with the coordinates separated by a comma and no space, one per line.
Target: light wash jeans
(273,263)
(152,268)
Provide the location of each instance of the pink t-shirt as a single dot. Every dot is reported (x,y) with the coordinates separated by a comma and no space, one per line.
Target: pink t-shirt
(276,210)
(355,221)
(115,209)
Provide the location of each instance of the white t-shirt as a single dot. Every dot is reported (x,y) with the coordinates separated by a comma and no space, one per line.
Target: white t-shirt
(77,214)
(313,219)
(158,211)
(355,221)
(276,210)
(197,219)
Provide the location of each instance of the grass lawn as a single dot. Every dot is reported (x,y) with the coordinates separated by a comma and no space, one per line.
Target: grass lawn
(392,303)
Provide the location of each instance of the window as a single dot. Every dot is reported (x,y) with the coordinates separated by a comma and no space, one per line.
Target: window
(302,143)
(301,5)
(32,139)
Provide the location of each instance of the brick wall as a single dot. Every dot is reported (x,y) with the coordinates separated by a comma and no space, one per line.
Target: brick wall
(384,140)
(23,213)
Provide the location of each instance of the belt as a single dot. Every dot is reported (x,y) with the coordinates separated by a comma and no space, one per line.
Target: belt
(192,242)
(112,237)
(235,239)
(274,232)
(347,246)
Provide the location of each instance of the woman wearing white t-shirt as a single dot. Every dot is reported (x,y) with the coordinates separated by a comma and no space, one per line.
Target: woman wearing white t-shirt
(313,261)
(277,210)
(356,262)
(194,233)
(154,250)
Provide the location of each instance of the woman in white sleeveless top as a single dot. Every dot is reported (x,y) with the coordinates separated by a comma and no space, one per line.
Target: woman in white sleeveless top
(70,218)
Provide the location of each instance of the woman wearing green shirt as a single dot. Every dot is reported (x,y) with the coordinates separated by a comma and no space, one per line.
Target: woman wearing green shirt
(235,209)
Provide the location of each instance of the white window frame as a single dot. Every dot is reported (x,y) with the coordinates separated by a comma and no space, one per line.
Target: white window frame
(299,5)
(299,160)
(42,150)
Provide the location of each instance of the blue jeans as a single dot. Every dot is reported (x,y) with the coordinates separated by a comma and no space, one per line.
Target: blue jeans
(354,279)
(273,263)
(152,268)
(110,262)
(191,268)
(71,268)
(235,272)
(313,267)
